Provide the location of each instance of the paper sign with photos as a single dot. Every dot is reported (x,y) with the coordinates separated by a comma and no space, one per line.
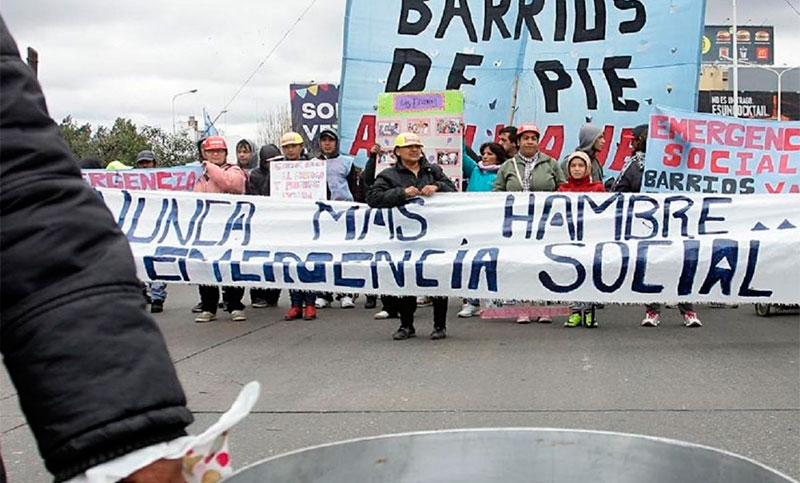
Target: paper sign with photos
(436,117)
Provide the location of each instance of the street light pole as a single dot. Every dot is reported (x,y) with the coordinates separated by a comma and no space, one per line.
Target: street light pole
(173,106)
(778,73)
(735,64)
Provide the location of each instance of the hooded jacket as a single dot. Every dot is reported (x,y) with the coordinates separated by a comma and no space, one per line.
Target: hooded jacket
(389,187)
(584,185)
(252,164)
(91,369)
(259,179)
(587,137)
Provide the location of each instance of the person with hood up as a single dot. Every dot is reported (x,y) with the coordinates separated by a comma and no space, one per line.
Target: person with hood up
(246,155)
(580,181)
(220,177)
(592,140)
(258,184)
(341,186)
(410,177)
(580,177)
(529,170)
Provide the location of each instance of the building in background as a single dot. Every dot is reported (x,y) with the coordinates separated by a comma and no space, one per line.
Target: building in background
(758,78)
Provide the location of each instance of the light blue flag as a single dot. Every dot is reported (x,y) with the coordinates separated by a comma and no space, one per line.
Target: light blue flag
(210,129)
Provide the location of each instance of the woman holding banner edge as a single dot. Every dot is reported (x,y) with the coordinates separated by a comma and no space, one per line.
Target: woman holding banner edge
(410,177)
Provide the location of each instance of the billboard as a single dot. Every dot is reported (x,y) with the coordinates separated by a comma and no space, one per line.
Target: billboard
(314,108)
(752,104)
(756,44)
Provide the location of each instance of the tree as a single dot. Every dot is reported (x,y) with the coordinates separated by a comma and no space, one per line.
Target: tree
(273,124)
(124,140)
(79,138)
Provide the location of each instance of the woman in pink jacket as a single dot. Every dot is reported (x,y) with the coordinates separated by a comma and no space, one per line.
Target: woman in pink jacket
(220,177)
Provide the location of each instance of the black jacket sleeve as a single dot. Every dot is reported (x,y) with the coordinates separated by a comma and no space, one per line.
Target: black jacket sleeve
(257,183)
(444,183)
(630,181)
(367,178)
(92,371)
(385,194)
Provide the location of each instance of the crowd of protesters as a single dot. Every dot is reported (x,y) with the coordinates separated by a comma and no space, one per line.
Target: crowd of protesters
(513,163)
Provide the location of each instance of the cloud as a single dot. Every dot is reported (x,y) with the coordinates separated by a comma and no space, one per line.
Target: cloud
(100,60)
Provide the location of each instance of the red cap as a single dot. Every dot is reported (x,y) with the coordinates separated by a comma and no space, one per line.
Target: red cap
(214,142)
(527,127)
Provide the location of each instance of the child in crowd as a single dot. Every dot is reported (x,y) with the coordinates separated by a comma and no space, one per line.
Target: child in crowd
(579,172)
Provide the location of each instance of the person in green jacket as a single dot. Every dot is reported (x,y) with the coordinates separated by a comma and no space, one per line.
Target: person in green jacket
(529,170)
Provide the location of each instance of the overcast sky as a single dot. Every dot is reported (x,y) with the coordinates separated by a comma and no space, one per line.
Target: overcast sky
(102,59)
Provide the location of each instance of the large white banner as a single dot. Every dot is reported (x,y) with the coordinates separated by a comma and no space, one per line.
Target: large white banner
(630,248)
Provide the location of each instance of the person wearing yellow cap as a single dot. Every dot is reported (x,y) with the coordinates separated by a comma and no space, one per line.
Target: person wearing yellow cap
(410,177)
(302,301)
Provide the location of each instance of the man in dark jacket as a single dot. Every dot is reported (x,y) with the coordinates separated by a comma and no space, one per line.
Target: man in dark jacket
(410,177)
(91,369)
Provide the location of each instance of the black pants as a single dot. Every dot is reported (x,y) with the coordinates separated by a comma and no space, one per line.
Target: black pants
(406,306)
(232,296)
(269,295)
(301,297)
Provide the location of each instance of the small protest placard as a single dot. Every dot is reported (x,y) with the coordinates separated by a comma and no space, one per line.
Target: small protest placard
(298,180)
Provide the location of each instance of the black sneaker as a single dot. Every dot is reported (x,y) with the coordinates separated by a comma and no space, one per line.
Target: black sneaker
(372,301)
(157,307)
(438,333)
(404,333)
(197,308)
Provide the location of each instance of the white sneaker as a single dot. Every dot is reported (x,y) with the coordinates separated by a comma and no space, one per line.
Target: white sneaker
(468,310)
(321,303)
(203,317)
(382,315)
(690,320)
(347,302)
(651,319)
(238,316)
(424,302)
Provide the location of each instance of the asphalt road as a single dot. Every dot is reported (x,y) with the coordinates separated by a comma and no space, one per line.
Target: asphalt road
(733,384)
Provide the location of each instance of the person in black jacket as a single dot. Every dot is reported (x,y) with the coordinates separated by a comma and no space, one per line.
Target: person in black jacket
(258,184)
(410,177)
(630,179)
(91,369)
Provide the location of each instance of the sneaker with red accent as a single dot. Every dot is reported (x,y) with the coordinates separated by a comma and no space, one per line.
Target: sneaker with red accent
(294,313)
(690,319)
(651,319)
(310,312)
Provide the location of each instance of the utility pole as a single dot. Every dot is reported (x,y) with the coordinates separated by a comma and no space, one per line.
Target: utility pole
(735,63)
(33,61)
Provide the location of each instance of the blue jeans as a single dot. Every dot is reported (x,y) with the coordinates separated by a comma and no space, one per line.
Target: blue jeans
(158,291)
(298,297)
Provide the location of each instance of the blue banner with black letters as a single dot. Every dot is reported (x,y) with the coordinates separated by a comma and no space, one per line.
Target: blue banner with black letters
(604,61)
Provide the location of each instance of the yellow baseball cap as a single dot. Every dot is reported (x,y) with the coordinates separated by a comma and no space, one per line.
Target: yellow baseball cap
(291,138)
(407,139)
